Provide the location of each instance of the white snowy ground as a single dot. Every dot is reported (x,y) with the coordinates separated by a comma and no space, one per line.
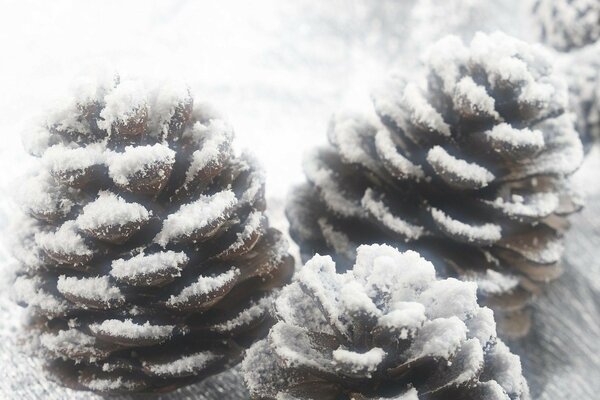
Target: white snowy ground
(278,69)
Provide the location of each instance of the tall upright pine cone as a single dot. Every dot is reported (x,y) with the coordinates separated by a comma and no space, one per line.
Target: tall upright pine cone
(147,260)
(470,169)
(567,24)
(386,329)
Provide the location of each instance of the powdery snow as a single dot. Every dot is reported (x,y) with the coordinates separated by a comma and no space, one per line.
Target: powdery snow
(108,384)
(468,93)
(60,159)
(111,210)
(422,113)
(29,291)
(65,240)
(516,138)
(382,213)
(195,216)
(246,316)
(136,159)
(95,289)
(131,330)
(122,103)
(204,286)
(216,137)
(143,264)
(368,361)
(444,163)
(402,167)
(71,341)
(488,232)
(183,366)
(440,337)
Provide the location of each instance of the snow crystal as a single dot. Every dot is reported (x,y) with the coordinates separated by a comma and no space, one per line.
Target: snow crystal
(487,232)
(294,307)
(443,162)
(195,216)
(169,96)
(369,361)
(122,103)
(65,240)
(60,158)
(348,133)
(135,159)
(292,344)
(96,289)
(132,330)
(440,337)
(142,264)
(204,286)
(185,365)
(111,210)
(216,137)
(382,213)
(245,317)
(515,137)
(251,227)
(386,149)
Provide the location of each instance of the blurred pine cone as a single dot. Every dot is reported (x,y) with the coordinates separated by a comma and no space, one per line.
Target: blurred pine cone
(567,24)
(386,329)
(148,262)
(469,169)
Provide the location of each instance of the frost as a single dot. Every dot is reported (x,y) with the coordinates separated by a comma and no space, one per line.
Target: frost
(245,317)
(382,213)
(400,165)
(195,216)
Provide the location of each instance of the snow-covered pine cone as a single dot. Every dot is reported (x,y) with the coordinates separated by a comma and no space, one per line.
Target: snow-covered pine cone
(470,169)
(567,24)
(582,69)
(147,260)
(386,329)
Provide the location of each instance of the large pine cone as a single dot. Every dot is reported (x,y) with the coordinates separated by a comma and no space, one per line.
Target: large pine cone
(567,24)
(387,329)
(148,262)
(469,169)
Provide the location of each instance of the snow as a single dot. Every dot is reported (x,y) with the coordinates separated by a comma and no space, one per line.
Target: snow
(195,216)
(494,282)
(507,370)
(71,341)
(421,111)
(440,337)
(482,326)
(449,297)
(469,94)
(131,330)
(404,314)
(109,210)
(443,163)
(205,285)
(65,240)
(516,138)
(108,384)
(349,133)
(95,289)
(252,225)
(40,195)
(59,158)
(216,137)
(386,149)
(185,365)
(293,345)
(136,159)
(382,213)
(29,291)
(122,103)
(369,361)
(488,232)
(246,316)
(143,264)
(537,205)
(170,95)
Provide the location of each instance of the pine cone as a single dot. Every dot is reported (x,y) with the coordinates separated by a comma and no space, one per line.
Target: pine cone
(386,329)
(147,260)
(582,69)
(567,24)
(470,170)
